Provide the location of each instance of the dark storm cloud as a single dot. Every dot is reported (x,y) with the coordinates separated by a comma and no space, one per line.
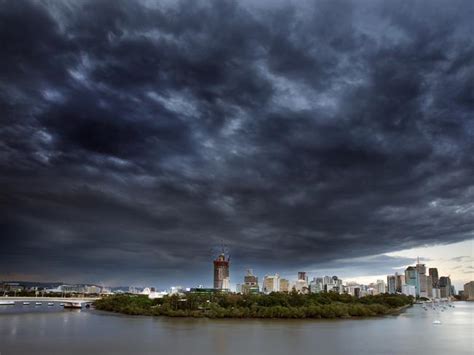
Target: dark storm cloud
(136,136)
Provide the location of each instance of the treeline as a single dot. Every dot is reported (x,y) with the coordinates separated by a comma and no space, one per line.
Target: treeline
(274,305)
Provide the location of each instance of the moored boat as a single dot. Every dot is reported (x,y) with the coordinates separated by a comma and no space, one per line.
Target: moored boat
(38,303)
(50,304)
(7,303)
(74,305)
(26,303)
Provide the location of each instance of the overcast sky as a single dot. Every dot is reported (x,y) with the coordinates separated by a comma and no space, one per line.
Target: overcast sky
(136,137)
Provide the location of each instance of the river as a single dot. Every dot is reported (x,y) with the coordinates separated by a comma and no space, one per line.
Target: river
(52,330)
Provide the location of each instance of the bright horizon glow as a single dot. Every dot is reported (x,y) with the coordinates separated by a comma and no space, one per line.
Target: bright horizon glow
(455,260)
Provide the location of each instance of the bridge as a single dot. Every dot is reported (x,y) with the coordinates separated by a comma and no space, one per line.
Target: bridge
(50,299)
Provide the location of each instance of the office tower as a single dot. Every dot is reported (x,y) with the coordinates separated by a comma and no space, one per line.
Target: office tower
(400,281)
(221,272)
(327,280)
(445,286)
(271,283)
(429,286)
(392,284)
(469,291)
(284,285)
(421,281)
(380,286)
(316,286)
(302,276)
(411,276)
(433,272)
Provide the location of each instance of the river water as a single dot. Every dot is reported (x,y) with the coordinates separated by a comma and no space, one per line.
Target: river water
(52,330)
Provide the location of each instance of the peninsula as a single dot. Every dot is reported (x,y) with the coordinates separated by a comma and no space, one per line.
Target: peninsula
(275,305)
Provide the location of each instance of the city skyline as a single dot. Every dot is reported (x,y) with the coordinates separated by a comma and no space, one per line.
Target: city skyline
(221,277)
(329,136)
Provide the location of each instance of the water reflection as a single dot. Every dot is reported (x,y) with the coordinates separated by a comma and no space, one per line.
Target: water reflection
(47,331)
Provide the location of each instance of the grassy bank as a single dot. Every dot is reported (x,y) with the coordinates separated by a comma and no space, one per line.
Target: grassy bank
(275,305)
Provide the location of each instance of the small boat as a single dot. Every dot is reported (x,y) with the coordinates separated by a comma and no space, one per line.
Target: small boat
(38,303)
(74,305)
(50,304)
(26,303)
(436,322)
(7,303)
(61,304)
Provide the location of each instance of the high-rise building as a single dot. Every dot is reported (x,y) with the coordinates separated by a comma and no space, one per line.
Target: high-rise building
(416,276)
(250,283)
(422,281)
(380,286)
(445,286)
(271,283)
(433,272)
(327,280)
(429,286)
(302,276)
(301,285)
(400,281)
(392,284)
(411,277)
(469,291)
(284,285)
(316,286)
(221,272)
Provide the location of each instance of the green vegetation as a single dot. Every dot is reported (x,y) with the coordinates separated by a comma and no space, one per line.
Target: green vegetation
(275,305)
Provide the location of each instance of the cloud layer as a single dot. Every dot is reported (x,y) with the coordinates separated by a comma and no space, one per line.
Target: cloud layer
(136,137)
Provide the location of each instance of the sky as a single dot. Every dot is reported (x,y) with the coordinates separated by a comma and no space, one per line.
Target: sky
(137,137)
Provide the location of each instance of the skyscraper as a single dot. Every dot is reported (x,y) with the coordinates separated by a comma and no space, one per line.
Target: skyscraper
(392,283)
(316,286)
(302,276)
(445,286)
(221,272)
(421,280)
(433,272)
(411,277)
(469,291)
(271,283)
(284,285)
(400,282)
(429,286)
(250,283)
(381,286)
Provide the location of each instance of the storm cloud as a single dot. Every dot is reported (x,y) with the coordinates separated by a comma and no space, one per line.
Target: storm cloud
(137,136)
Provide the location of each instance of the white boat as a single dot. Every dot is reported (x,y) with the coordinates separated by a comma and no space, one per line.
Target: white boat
(38,303)
(436,322)
(7,303)
(50,304)
(26,303)
(61,304)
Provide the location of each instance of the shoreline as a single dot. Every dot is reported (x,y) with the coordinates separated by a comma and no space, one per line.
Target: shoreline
(395,313)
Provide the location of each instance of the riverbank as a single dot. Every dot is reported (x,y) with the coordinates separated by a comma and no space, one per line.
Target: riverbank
(276,305)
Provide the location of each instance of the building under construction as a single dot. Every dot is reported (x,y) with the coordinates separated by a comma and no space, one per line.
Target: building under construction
(221,272)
